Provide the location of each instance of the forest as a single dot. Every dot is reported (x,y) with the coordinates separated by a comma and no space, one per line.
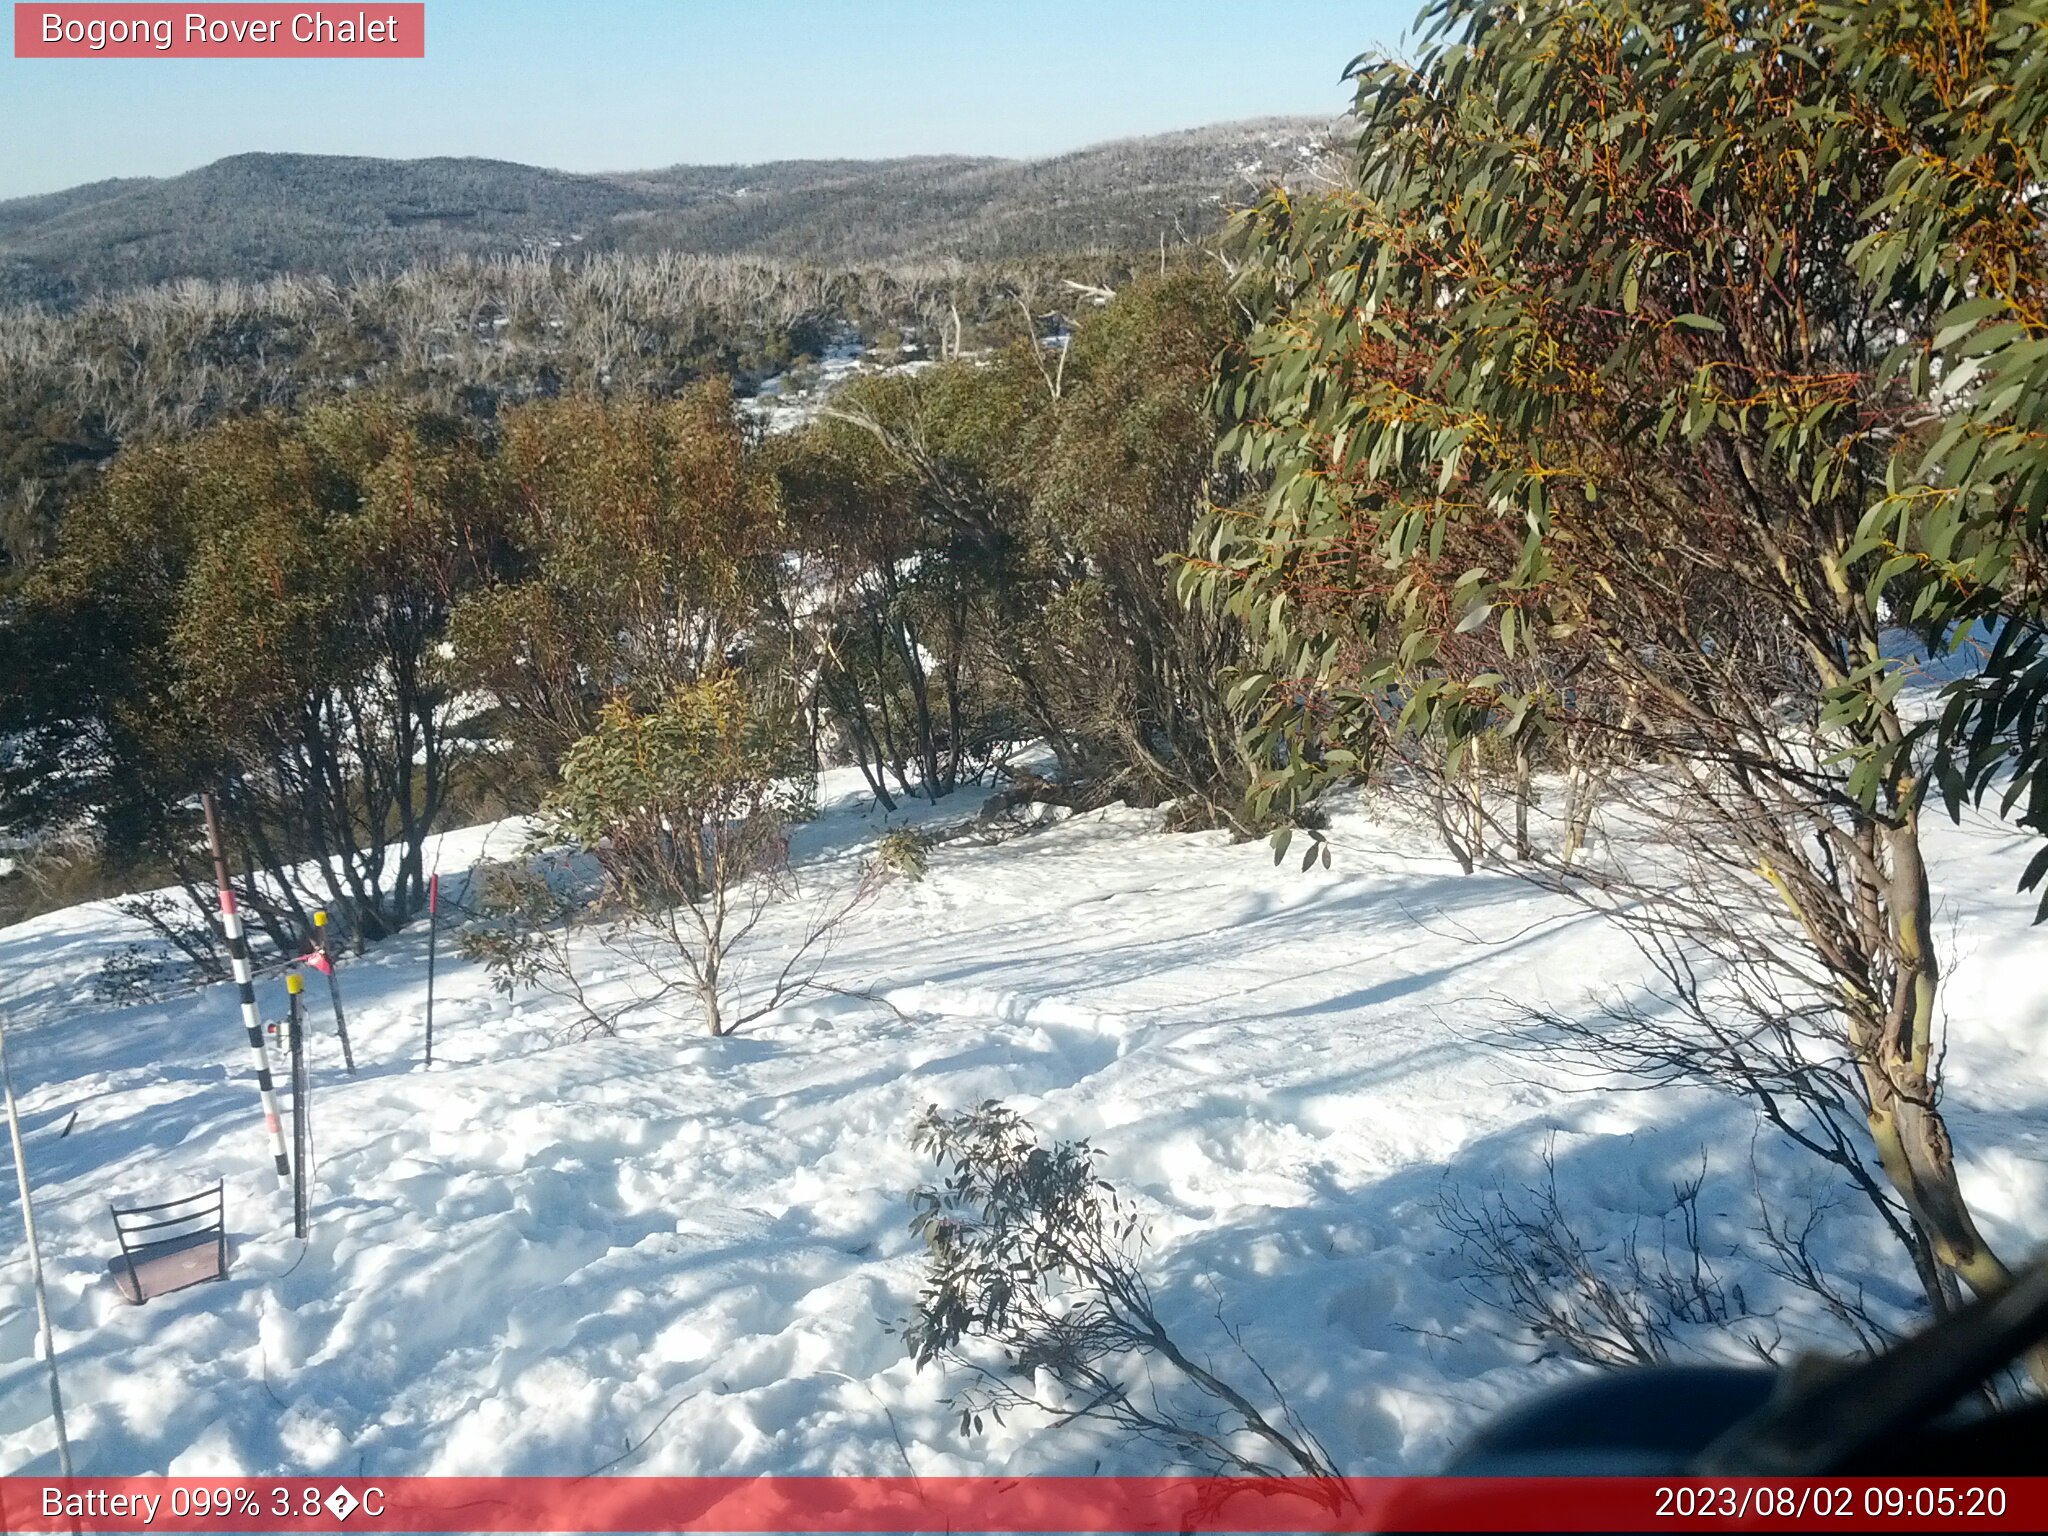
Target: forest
(467,335)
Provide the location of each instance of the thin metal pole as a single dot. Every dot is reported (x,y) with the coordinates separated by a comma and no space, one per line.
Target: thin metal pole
(35,1260)
(302,1105)
(433,933)
(324,958)
(245,979)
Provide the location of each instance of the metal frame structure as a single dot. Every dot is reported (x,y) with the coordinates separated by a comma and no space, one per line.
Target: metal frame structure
(201,1216)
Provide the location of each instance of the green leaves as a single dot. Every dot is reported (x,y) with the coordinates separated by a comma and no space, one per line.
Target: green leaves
(683,797)
(1963,320)
(1637,324)
(1281,840)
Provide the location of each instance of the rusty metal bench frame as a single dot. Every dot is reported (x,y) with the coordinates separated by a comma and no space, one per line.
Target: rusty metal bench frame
(188,1226)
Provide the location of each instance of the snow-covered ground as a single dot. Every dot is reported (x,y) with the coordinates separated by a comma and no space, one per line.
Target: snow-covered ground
(531,1257)
(783,405)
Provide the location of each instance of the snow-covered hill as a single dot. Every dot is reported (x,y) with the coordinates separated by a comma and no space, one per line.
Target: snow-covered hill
(530,1257)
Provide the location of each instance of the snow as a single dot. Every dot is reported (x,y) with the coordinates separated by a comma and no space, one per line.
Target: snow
(532,1257)
(779,404)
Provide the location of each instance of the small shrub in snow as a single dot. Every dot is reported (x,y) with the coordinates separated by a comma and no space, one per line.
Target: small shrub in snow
(528,920)
(683,800)
(687,807)
(132,974)
(186,928)
(1032,1289)
(904,851)
(681,812)
(190,951)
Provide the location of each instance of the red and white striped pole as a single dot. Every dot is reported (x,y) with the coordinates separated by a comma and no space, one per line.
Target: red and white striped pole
(252,1021)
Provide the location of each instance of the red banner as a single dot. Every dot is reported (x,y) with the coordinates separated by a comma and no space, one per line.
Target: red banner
(115,31)
(1014,1506)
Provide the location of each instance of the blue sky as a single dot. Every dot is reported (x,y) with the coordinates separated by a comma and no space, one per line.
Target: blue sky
(626,84)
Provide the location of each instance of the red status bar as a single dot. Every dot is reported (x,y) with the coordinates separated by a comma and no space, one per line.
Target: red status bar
(1014,1506)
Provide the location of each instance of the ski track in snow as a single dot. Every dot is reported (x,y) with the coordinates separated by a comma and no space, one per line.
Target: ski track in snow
(524,1257)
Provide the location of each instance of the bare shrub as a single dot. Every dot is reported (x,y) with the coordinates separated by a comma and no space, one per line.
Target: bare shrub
(185,952)
(132,974)
(185,926)
(1632,1301)
(543,928)
(529,914)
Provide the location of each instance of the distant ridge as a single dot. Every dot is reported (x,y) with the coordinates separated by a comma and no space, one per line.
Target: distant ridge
(258,215)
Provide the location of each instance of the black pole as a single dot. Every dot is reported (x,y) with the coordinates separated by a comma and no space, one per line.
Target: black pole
(302,1109)
(433,933)
(326,962)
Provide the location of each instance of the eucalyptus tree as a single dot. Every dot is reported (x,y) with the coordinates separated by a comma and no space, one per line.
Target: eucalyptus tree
(642,544)
(261,609)
(991,537)
(1655,360)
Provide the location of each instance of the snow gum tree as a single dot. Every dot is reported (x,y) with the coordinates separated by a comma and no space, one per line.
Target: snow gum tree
(1116,466)
(266,603)
(1657,359)
(643,545)
(990,537)
(904,544)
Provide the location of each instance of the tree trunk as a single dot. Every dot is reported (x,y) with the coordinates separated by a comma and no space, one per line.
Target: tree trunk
(1896,1057)
(1578,816)
(1523,790)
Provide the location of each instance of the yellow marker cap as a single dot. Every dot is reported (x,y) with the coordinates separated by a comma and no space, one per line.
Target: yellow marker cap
(293,984)
(320,918)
